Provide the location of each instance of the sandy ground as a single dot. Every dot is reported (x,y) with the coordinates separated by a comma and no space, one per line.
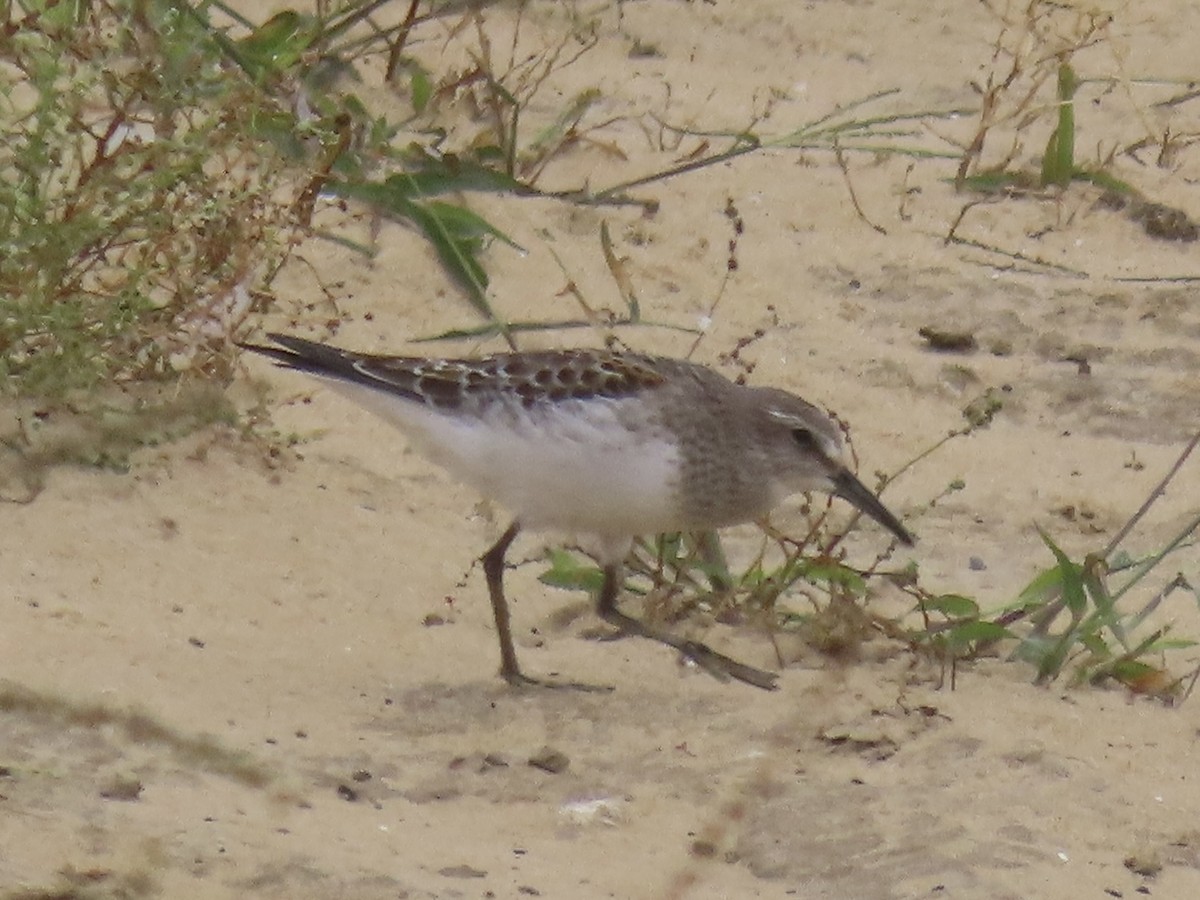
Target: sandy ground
(219,675)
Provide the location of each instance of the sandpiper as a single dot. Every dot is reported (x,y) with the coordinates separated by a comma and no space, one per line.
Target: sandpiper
(604,445)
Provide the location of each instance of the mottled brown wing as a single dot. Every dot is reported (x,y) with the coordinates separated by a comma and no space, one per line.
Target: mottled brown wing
(536,377)
(530,378)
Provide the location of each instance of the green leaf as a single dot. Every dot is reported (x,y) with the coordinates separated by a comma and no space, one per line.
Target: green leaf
(388,197)
(1126,671)
(459,256)
(1050,665)
(835,574)
(464,225)
(953,606)
(1033,649)
(568,573)
(421,88)
(1174,644)
(976,632)
(1044,586)
(1095,644)
(428,175)
(277,44)
(1070,574)
(67,14)
(997,182)
(455,232)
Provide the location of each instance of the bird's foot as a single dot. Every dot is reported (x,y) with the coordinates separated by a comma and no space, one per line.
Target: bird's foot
(724,667)
(519,679)
(716,664)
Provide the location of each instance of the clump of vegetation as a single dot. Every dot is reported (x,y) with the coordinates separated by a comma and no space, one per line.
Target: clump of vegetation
(160,168)
(1033,56)
(137,206)
(1078,625)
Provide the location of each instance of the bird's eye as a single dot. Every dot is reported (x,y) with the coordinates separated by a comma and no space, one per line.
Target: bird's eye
(804,438)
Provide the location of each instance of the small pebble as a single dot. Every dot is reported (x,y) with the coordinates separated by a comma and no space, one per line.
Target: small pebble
(549,760)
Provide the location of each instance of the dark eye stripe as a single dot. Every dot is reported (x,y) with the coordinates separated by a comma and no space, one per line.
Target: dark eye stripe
(805,439)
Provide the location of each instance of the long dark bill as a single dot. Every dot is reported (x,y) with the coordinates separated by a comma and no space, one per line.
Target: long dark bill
(309,356)
(851,489)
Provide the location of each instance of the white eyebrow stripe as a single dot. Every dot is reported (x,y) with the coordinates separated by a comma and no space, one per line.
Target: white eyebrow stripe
(787,418)
(830,446)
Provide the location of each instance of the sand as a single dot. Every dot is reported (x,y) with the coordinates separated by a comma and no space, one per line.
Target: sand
(223,671)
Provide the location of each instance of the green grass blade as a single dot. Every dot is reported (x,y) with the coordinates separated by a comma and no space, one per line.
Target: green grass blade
(1106,613)
(1151,562)
(479,331)
(455,232)
(428,175)
(459,256)
(465,226)
(1058,162)
(554,133)
(1070,574)
(1050,665)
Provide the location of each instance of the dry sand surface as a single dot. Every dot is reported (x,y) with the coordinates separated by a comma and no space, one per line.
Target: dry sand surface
(206,620)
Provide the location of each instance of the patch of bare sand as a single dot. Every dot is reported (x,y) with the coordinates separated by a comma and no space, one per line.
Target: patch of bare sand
(282,612)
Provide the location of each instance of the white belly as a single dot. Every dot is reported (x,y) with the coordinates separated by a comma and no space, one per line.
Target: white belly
(573,466)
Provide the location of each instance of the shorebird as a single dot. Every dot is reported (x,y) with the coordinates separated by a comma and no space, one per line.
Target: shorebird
(604,445)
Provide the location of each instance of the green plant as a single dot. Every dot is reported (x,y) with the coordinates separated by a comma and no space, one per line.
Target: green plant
(1069,620)
(136,207)
(1096,641)
(1078,625)
(1035,47)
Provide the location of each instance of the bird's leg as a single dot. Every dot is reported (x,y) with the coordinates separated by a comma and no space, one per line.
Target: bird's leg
(716,664)
(493,570)
(716,567)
